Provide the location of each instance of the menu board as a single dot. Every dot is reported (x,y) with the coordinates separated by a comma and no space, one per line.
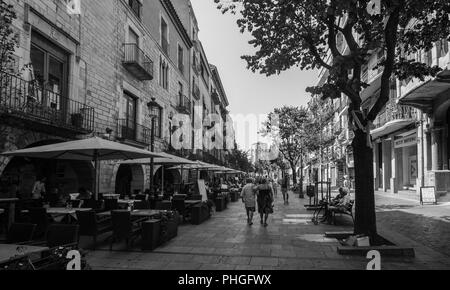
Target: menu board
(428,195)
(202,189)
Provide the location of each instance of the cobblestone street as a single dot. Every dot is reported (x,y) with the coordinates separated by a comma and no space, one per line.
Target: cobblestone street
(290,242)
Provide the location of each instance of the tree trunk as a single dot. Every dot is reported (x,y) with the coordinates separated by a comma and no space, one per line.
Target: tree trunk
(294,175)
(365,217)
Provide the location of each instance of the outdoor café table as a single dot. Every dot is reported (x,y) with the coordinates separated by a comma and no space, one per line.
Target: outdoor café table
(12,208)
(111,196)
(127,202)
(192,202)
(59,213)
(10,252)
(136,213)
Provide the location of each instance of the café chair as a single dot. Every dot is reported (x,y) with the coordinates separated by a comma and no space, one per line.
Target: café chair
(95,205)
(141,197)
(180,206)
(59,235)
(19,233)
(142,205)
(91,225)
(163,205)
(111,204)
(39,217)
(75,203)
(124,228)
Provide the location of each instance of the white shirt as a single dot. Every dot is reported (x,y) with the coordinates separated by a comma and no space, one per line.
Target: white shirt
(38,189)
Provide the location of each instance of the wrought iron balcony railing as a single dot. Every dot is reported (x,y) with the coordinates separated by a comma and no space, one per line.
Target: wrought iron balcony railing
(30,102)
(395,112)
(165,45)
(135,6)
(128,130)
(137,62)
(184,105)
(196,91)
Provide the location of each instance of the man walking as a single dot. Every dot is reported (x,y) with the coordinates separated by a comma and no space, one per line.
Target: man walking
(285,188)
(249,199)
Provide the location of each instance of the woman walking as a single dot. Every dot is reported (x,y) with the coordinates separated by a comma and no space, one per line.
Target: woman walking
(248,198)
(265,201)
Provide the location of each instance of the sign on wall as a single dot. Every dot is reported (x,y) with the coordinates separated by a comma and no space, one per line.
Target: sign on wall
(428,195)
(406,142)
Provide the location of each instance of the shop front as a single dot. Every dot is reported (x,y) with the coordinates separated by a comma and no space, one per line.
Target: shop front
(405,147)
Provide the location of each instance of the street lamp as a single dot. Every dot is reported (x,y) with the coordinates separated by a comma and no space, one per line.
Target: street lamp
(154,109)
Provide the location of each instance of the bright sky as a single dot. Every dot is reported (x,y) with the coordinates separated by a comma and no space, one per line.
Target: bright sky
(247,92)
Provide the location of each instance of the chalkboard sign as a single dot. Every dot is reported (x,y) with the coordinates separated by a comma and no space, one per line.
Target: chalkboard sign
(202,189)
(428,195)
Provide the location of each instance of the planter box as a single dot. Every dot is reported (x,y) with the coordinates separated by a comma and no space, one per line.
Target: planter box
(199,214)
(220,203)
(77,120)
(150,234)
(234,196)
(172,226)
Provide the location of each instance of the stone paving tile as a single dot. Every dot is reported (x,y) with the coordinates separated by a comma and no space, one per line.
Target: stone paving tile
(263,261)
(222,267)
(291,242)
(182,266)
(207,259)
(248,268)
(237,260)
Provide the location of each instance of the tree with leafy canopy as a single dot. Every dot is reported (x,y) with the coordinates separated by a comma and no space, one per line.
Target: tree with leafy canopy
(288,127)
(239,159)
(289,33)
(8,38)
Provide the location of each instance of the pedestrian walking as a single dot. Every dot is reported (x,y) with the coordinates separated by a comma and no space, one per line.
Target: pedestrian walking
(275,186)
(285,188)
(39,189)
(249,199)
(265,201)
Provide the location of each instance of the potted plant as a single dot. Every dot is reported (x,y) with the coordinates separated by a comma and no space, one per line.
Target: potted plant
(77,120)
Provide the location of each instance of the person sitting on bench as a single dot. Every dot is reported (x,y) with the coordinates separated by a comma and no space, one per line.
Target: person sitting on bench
(338,204)
(335,202)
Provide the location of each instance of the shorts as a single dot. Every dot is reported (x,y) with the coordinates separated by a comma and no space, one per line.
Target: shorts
(250,209)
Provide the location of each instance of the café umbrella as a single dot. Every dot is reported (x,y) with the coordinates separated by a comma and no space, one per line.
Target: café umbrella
(92,149)
(166,159)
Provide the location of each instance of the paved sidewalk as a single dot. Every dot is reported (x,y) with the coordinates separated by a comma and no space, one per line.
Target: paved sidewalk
(226,242)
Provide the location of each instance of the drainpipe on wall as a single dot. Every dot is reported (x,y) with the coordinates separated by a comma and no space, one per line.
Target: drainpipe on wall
(422,148)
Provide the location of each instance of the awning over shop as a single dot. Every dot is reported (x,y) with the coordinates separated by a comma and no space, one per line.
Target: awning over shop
(391,127)
(424,95)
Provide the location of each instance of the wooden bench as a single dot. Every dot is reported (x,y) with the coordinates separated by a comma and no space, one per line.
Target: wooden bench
(348,210)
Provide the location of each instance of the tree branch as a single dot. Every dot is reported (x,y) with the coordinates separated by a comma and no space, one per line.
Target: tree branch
(391,43)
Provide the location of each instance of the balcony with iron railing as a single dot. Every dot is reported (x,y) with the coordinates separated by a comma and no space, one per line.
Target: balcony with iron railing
(135,6)
(165,45)
(395,112)
(184,105)
(215,96)
(137,62)
(34,105)
(196,66)
(196,91)
(128,130)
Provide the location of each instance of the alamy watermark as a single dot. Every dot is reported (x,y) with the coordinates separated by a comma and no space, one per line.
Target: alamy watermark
(205,131)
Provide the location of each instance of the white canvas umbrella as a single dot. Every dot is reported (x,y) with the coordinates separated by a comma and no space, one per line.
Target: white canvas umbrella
(167,159)
(92,149)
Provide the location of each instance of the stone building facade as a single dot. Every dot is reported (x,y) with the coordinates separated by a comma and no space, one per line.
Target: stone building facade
(93,74)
